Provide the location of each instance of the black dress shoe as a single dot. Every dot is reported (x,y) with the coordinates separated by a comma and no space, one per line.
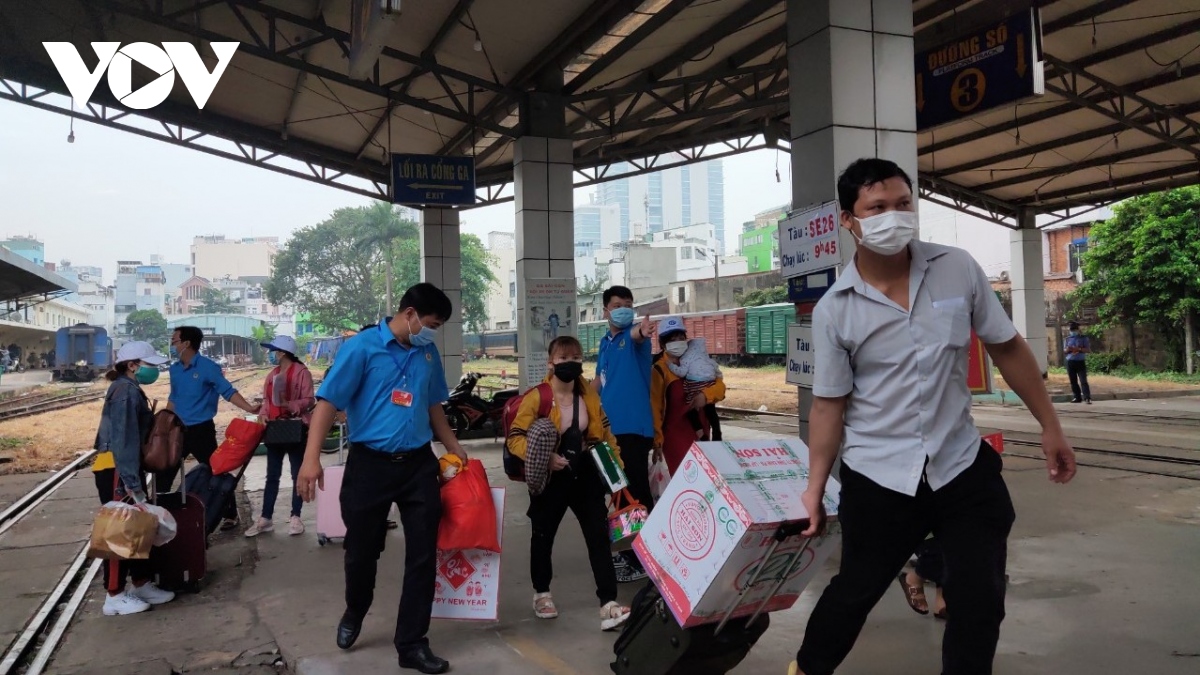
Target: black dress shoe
(423,659)
(347,631)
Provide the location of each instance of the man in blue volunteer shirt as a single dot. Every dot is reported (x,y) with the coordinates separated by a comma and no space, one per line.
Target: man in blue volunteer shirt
(196,384)
(623,382)
(389,381)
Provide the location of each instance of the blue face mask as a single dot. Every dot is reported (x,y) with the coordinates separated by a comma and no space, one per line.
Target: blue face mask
(621,317)
(146,374)
(174,353)
(271,359)
(423,337)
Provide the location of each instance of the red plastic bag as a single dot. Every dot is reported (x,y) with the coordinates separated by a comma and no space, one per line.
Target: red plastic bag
(468,512)
(241,439)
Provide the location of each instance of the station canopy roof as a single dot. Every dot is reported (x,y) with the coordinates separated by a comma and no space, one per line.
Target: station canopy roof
(648,84)
(21,279)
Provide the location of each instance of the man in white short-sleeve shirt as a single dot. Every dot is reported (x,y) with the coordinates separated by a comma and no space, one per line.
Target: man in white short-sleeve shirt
(891,339)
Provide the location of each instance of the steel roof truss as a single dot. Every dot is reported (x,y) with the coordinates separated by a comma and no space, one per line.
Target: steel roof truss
(268,50)
(1122,105)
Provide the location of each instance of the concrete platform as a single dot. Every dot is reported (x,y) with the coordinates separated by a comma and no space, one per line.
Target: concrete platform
(13,382)
(1103,572)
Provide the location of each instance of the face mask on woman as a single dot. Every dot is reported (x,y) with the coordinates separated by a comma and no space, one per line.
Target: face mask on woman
(676,348)
(568,371)
(146,374)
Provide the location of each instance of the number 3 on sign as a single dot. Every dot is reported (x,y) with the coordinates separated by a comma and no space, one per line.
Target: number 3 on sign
(826,248)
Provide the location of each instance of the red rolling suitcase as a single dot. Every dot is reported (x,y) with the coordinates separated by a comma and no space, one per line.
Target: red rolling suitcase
(182,563)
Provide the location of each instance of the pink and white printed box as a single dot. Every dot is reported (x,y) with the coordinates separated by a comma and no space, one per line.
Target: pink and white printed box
(713,526)
(468,582)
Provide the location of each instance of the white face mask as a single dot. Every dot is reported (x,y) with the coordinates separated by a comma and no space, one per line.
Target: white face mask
(888,233)
(676,348)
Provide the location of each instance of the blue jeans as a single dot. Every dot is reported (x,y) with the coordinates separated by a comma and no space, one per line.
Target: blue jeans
(275,453)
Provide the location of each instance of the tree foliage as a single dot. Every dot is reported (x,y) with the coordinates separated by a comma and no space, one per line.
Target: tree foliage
(763,296)
(337,269)
(148,325)
(1143,265)
(478,277)
(216,301)
(592,286)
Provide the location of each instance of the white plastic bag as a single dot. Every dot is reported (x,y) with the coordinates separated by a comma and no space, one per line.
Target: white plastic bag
(659,477)
(167,529)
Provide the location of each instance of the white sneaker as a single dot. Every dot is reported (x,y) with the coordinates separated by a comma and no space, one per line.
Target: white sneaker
(124,603)
(612,615)
(261,525)
(295,526)
(150,593)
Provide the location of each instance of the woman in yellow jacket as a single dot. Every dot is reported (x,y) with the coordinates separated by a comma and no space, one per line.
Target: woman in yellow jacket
(674,432)
(559,442)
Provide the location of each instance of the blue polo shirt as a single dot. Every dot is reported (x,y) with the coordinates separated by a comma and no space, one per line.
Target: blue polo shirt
(371,366)
(195,388)
(1079,341)
(624,371)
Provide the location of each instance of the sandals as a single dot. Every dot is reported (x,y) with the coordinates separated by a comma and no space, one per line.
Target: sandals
(543,606)
(915,595)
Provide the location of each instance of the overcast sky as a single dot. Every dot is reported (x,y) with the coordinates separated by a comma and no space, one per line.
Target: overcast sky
(114,195)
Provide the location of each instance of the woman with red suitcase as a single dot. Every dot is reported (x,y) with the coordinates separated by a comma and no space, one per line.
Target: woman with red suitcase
(125,421)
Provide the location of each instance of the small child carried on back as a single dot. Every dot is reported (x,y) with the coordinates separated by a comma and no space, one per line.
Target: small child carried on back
(698,371)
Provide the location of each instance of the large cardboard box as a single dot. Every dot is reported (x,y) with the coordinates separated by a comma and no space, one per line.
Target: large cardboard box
(467,587)
(716,521)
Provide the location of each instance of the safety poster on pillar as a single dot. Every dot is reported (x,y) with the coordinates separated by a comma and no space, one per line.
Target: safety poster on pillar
(551,304)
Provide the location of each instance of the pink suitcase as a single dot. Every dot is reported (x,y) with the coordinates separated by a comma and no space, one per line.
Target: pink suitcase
(329,509)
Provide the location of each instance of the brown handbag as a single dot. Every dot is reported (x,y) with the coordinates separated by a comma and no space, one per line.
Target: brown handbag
(163,449)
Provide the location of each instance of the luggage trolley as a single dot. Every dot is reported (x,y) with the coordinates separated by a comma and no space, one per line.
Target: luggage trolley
(655,644)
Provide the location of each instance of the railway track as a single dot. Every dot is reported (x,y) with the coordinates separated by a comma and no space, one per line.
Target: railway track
(31,650)
(1147,458)
(45,403)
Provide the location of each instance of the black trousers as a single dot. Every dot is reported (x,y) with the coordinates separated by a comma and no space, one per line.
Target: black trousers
(635,453)
(115,572)
(582,493)
(1077,371)
(971,517)
(199,441)
(372,482)
(930,566)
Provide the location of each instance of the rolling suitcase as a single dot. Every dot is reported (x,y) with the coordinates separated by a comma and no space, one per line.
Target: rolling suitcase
(329,508)
(182,563)
(653,642)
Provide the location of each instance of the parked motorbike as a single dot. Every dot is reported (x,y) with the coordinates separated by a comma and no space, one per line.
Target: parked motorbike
(468,411)
(9,365)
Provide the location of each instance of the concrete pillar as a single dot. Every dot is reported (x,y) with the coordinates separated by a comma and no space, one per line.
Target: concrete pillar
(1029,287)
(545,238)
(441,265)
(852,96)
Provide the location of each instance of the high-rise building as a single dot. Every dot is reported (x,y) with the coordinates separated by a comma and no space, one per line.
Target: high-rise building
(502,298)
(597,227)
(677,197)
